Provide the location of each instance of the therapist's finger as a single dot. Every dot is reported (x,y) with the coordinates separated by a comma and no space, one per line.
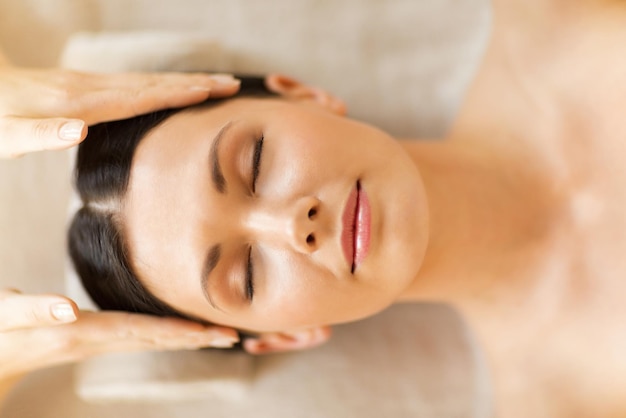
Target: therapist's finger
(96,333)
(19,136)
(18,311)
(103,332)
(221,85)
(121,96)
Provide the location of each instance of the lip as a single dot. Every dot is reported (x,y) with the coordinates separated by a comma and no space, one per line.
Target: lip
(356,221)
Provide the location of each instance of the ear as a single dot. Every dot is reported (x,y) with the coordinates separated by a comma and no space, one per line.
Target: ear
(275,342)
(293,89)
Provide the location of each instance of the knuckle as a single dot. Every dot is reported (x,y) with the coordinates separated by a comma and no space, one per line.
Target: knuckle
(133,332)
(62,348)
(69,344)
(65,91)
(35,315)
(43,129)
(62,97)
(152,80)
(127,328)
(63,342)
(135,102)
(66,79)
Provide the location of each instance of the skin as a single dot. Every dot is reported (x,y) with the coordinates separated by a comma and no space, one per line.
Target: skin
(51,325)
(311,160)
(534,183)
(523,198)
(69,101)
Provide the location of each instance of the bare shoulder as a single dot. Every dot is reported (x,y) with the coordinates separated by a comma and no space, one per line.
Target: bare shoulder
(530,10)
(547,63)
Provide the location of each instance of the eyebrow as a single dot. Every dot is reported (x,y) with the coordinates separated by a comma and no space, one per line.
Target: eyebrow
(219,182)
(217,175)
(209,264)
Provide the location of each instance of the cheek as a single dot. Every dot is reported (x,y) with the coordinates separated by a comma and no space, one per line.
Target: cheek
(293,289)
(306,158)
(294,165)
(297,293)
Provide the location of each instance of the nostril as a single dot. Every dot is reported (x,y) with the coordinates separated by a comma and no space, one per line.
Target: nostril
(312,212)
(310,239)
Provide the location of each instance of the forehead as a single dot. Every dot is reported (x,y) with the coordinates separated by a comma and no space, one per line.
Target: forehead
(168,183)
(170,201)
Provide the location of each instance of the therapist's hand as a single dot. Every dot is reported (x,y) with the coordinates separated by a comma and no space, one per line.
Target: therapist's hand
(51,109)
(42,330)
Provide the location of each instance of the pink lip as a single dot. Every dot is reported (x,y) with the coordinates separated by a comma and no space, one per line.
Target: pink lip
(355,235)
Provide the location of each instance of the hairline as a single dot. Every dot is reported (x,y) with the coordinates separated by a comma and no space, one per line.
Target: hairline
(118,217)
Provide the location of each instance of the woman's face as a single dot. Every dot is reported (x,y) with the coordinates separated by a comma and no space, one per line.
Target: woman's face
(248,233)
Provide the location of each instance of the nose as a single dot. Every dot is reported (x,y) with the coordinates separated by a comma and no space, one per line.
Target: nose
(294,224)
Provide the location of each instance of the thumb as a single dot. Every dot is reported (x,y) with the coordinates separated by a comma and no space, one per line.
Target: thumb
(22,135)
(18,311)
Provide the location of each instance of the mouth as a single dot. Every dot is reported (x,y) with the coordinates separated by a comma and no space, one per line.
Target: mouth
(355,234)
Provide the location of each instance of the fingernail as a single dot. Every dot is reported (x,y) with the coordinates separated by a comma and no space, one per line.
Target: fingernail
(63,312)
(211,340)
(226,79)
(72,130)
(222,342)
(219,80)
(200,88)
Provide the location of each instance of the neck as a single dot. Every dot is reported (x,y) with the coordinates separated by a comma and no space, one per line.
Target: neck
(484,228)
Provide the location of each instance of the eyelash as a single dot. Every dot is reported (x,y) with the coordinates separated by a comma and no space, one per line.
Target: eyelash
(256,163)
(249,277)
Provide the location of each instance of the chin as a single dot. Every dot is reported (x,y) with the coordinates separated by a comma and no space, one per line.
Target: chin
(400,226)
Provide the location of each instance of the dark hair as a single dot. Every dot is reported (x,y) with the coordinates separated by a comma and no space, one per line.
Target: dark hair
(95,238)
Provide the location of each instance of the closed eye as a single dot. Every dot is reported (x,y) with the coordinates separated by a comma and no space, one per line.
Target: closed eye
(249,285)
(256,162)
